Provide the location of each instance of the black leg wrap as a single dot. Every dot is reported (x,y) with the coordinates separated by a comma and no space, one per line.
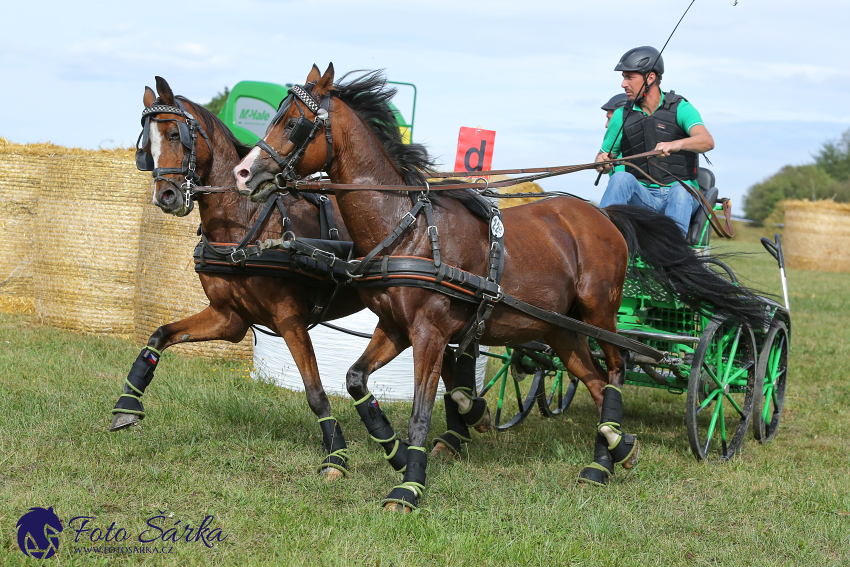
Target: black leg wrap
(413,483)
(602,468)
(457,432)
(476,413)
(464,372)
(612,407)
(624,449)
(380,429)
(137,381)
(333,443)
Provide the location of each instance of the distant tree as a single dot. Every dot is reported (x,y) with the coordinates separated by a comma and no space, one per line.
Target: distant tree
(791,182)
(218,102)
(834,157)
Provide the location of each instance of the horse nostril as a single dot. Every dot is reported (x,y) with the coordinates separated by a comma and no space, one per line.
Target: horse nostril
(243,173)
(167,196)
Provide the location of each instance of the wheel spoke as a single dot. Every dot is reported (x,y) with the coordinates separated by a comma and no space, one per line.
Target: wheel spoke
(723,430)
(735,405)
(730,361)
(708,400)
(519,399)
(714,377)
(713,424)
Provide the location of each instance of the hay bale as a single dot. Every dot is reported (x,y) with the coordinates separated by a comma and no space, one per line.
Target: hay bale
(22,167)
(527,187)
(817,235)
(168,289)
(87,237)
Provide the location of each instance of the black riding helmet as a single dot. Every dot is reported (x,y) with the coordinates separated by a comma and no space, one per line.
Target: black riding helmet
(641,60)
(616,102)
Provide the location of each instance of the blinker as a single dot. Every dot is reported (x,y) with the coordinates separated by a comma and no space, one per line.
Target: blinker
(144,161)
(301,131)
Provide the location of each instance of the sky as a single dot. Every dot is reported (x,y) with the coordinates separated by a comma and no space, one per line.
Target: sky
(768,76)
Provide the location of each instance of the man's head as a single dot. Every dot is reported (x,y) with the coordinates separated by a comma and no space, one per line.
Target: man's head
(640,65)
(613,104)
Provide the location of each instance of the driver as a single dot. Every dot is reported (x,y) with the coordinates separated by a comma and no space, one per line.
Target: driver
(654,120)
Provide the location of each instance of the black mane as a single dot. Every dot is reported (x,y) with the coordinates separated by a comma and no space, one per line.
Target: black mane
(211,121)
(369,96)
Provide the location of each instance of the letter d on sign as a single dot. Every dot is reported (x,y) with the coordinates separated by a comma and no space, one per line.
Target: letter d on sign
(474,149)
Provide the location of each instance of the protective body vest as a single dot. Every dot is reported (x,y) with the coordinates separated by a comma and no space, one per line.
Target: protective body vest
(641,133)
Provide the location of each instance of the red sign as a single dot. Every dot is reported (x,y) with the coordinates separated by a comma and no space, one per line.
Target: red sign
(475,149)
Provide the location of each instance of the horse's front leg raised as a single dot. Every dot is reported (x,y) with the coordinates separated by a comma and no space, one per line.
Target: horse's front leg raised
(385,345)
(208,325)
(428,344)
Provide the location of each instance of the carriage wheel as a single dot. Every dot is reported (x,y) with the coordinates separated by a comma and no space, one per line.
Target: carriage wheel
(515,393)
(772,373)
(721,389)
(558,391)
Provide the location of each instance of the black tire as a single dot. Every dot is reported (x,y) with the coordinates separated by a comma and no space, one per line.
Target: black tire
(557,393)
(523,397)
(772,376)
(723,379)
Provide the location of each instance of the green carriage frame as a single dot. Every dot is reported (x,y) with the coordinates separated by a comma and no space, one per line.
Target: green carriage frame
(729,371)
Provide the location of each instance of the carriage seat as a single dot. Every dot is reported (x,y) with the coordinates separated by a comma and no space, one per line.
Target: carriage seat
(705,178)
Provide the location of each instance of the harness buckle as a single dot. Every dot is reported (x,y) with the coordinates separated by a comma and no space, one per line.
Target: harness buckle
(322,256)
(407,214)
(334,233)
(235,253)
(494,298)
(433,234)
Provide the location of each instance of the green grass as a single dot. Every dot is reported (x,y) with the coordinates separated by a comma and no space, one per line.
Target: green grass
(216,442)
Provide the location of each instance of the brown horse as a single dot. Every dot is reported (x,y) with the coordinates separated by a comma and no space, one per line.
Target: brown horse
(560,254)
(239,301)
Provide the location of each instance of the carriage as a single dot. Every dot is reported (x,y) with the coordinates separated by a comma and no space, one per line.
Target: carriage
(733,375)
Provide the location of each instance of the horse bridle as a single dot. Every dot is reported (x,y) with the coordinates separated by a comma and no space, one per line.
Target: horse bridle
(188,137)
(302,133)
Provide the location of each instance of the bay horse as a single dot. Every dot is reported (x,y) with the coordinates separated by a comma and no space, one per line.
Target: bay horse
(560,254)
(239,301)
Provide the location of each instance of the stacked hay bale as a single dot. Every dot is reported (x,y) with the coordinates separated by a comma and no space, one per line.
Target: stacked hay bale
(168,289)
(817,235)
(87,240)
(22,167)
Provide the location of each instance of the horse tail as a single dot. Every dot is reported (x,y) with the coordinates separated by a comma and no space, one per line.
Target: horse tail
(657,240)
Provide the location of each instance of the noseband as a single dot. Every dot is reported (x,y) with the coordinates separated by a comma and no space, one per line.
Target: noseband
(188,137)
(302,133)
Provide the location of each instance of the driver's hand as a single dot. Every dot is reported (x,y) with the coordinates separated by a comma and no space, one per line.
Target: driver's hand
(669,147)
(604,168)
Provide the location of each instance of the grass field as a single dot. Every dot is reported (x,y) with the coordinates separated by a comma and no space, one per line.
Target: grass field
(217,443)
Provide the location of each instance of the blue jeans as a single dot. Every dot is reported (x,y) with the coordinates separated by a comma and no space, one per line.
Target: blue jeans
(673,201)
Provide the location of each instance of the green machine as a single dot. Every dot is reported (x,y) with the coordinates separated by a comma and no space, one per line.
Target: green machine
(251,105)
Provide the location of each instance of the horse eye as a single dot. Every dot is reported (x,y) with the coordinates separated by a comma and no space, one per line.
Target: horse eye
(290,123)
(174,136)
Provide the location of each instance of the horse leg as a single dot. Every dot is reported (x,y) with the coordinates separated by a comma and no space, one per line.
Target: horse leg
(463,408)
(384,346)
(210,324)
(624,447)
(294,333)
(575,351)
(428,357)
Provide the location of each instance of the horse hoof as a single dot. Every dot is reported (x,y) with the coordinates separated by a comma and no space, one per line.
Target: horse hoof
(484,426)
(330,474)
(123,421)
(396,507)
(441,449)
(632,461)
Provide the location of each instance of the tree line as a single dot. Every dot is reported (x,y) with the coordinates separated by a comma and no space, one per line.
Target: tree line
(827,178)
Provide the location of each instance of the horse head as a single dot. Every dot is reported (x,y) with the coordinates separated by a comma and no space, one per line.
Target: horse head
(297,141)
(169,147)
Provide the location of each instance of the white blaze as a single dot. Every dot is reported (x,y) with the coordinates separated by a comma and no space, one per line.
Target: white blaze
(156,148)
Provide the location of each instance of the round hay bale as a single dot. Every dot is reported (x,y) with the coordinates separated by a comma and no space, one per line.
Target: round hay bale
(168,289)
(87,237)
(817,235)
(22,167)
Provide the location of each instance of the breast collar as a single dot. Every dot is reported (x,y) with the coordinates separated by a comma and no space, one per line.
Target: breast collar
(302,132)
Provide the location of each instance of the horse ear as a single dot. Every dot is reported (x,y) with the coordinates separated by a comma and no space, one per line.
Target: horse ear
(149,97)
(325,83)
(164,91)
(314,75)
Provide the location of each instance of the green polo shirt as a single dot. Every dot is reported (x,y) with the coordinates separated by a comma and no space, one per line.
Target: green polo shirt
(686,117)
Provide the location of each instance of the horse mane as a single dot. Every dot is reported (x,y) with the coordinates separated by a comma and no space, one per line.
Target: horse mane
(211,121)
(369,96)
